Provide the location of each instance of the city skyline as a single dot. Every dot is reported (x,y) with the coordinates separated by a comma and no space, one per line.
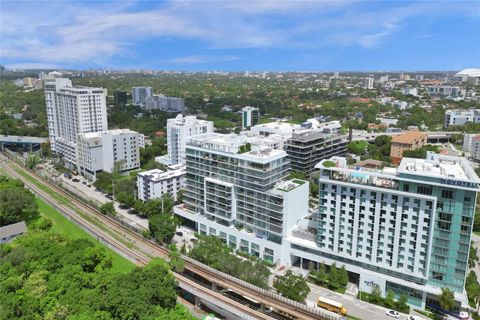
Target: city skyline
(246,35)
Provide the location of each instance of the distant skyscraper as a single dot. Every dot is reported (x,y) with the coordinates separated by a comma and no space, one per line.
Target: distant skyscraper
(140,94)
(120,97)
(368,83)
(164,103)
(250,117)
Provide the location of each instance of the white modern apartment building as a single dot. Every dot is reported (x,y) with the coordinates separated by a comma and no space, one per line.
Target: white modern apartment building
(460,117)
(471,144)
(179,129)
(250,116)
(140,94)
(99,151)
(155,183)
(72,110)
(406,229)
(164,103)
(368,83)
(445,91)
(241,195)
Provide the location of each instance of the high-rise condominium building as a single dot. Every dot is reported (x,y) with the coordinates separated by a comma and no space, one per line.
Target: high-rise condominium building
(407,230)
(99,151)
(179,129)
(242,195)
(316,141)
(140,94)
(72,110)
(164,103)
(460,117)
(368,83)
(120,97)
(250,116)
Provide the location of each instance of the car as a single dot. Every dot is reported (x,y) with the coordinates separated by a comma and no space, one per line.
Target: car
(410,317)
(393,314)
(179,233)
(75,180)
(84,182)
(89,185)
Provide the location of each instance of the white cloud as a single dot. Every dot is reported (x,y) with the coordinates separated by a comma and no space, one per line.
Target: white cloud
(67,32)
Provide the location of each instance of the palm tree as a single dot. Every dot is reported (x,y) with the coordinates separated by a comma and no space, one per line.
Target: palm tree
(447,299)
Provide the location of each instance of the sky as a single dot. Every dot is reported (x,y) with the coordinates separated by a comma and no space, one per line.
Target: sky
(262,35)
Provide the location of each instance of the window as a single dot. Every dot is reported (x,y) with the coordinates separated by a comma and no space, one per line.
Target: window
(424,190)
(448,194)
(406,187)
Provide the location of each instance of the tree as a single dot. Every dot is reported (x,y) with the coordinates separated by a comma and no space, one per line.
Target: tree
(292,286)
(321,276)
(17,204)
(472,256)
(343,276)
(163,226)
(333,279)
(402,304)
(176,261)
(32,161)
(447,299)
(157,206)
(376,294)
(104,182)
(390,299)
(357,147)
(107,208)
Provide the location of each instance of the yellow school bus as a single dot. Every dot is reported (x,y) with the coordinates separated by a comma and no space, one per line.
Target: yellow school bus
(331,305)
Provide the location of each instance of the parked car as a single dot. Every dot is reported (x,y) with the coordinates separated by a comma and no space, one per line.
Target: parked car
(179,233)
(67,175)
(75,180)
(413,318)
(393,314)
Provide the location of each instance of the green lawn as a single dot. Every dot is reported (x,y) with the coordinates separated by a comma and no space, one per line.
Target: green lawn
(69,229)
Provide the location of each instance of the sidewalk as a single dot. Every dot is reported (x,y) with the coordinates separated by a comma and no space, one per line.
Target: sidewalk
(90,193)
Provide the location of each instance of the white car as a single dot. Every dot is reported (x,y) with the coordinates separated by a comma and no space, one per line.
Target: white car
(413,318)
(392,314)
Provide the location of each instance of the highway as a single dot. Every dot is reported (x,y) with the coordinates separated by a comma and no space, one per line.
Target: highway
(122,239)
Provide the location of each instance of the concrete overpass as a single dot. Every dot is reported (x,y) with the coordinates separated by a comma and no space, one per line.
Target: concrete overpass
(21,143)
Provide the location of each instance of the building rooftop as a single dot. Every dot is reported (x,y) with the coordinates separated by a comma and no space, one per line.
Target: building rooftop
(408,137)
(13,229)
(234,144)
(449,169)
(113,132)
(159,175)
(443,167)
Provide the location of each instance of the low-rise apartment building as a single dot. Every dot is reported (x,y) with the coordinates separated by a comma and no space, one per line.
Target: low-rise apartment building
(153,184)
(410,140)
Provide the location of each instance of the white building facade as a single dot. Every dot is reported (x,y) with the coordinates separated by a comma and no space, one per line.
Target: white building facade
(407,230)
(140,94)
(471,144)
(242,196)
(164,103)
(155,183)
(179,129)
(368,83)
(70,112)
(99,151)
(460,117)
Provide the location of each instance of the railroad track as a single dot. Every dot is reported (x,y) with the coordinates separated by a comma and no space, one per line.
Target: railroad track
(151,249)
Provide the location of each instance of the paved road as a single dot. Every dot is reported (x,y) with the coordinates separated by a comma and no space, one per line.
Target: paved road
(90,193)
